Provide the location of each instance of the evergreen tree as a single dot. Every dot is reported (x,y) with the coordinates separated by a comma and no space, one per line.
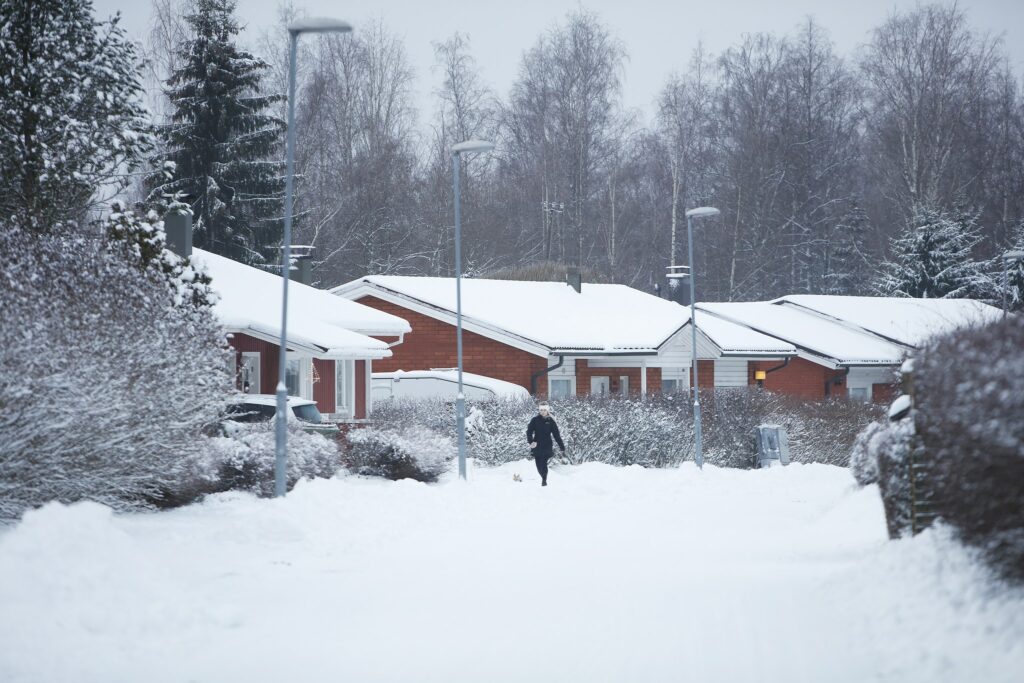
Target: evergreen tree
(71,118)
(221,137)
(847,269)
(932,258)
(1009,273)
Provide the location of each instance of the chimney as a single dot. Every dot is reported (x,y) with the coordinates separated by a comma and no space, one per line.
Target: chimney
(178,226)
(302,264)
(574,279)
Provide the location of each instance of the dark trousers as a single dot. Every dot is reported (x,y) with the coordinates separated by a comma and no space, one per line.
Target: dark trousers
(541,459)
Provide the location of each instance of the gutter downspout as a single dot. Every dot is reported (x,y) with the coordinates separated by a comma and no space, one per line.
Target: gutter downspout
(835,380)
(536,375)
(785,362)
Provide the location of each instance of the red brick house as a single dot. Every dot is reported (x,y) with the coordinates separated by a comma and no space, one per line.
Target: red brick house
(332,343)
(846,345)
(557,341)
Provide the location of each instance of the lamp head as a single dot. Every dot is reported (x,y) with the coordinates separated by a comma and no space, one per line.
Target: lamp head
(472,146)
(702,212)
(319,25)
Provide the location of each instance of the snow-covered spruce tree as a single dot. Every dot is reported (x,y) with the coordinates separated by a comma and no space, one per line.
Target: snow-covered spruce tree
(106,380)
(932,258)
(71,119)
(847,269)
(223,137)
(1009,275)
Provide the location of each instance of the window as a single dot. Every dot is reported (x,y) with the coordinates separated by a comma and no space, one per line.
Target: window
(560,388)
(600,385)
(298,376)
(858,394)
(671,386)
(624,385)
(344,387)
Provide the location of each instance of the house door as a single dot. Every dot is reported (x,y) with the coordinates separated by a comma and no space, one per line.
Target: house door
(600,386)
(624,385)
(250,372)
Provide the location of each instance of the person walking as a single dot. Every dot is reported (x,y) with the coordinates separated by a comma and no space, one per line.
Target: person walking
(539,433)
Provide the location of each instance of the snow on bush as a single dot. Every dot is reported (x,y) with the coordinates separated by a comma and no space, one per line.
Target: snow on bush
(410,452)
(652,432)
(887,450)
(244,459)
(970,418)
(105,383)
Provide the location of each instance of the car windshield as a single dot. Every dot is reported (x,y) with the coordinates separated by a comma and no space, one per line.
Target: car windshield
(308,413)
(250,412)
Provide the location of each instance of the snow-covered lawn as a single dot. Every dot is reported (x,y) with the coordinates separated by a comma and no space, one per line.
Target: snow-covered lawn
(606,575)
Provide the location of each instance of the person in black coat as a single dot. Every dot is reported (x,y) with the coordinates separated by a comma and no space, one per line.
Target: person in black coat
(539,433)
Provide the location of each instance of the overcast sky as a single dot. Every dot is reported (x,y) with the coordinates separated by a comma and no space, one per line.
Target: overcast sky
(659,35)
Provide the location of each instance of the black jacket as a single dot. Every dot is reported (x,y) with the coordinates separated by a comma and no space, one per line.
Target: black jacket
(541,430)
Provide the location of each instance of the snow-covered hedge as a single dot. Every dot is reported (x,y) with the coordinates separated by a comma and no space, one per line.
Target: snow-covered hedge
(653,432)
(244,459)
(409,452)
(969,403)
(105,383)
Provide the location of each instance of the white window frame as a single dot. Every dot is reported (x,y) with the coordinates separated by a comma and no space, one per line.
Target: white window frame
(345,388)
(305,373)
(864,397)
(623,385)
(600,377)
(572,385)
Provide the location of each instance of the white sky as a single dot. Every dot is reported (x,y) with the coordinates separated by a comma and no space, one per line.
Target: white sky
(658,35)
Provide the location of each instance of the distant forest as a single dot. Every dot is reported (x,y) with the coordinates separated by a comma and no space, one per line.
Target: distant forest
(820,163)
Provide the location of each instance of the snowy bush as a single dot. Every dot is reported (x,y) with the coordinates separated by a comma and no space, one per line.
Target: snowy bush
(818,431)
(970,418)
(652,432)
(882,455)
(412,452)
(244,459)
(105,383)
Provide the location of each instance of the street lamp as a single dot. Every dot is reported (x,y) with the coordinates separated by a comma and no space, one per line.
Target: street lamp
(700,212)
(469,146)
(309,25)
(1008,258)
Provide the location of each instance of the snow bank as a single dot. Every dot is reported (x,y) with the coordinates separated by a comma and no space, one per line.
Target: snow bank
(608,574)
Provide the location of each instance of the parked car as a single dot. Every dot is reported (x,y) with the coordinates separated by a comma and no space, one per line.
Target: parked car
(441,383)
(248,408)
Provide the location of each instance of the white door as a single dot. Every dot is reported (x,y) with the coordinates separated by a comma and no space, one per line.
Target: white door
(600,386)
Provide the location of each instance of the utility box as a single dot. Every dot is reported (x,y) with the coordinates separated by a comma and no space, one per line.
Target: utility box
(772,446)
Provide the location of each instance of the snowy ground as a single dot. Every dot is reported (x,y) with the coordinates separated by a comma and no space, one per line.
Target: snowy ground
(606,575)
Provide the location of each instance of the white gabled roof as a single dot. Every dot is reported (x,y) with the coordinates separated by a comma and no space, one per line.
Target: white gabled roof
(734,339)
(827,339)
(906,321)
(324,325)
(600,319)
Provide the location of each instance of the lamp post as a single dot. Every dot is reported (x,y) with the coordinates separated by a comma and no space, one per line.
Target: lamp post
(1008,258)
(700,212)
(310,25)
(469,146)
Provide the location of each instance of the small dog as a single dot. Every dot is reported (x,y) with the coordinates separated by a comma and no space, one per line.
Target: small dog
(516,477)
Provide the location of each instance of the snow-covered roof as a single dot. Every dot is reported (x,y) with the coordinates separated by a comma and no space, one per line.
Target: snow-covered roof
(735,339)
(907,321)
(600,319)
(819,336)
(318,322)
(498,387)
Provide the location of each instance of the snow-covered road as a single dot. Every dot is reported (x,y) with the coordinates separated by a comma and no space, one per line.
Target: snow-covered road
(606,575)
